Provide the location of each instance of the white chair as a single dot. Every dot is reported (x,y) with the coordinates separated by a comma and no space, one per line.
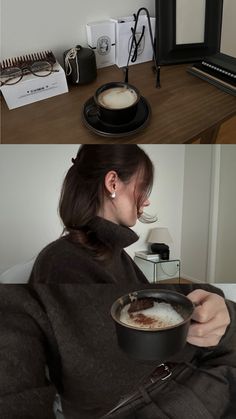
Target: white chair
(18,274)
(229,290)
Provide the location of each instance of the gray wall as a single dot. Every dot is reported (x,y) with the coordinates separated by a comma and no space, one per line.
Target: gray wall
(226,235)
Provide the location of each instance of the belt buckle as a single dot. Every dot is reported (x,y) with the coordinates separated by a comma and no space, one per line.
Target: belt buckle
(162,372)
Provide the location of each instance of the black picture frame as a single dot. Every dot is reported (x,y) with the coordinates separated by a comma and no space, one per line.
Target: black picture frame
(167,50)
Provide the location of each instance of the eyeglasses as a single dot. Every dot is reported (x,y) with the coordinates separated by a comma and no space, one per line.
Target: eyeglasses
(40,65)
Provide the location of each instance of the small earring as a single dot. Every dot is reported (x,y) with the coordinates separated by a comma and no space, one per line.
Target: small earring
(113,195)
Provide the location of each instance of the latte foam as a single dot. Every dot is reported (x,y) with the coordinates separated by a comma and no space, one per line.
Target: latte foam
(117,98)
(159,316)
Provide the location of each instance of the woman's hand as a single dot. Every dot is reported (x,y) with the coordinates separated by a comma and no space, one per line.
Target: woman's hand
(211,316)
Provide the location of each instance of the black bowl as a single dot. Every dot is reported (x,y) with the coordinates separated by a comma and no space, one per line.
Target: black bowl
(153,344)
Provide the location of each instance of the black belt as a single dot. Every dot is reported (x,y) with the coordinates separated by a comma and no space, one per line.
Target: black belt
(161,373)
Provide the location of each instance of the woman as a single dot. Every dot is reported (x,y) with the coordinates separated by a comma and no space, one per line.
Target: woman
(62,319)
(104,193)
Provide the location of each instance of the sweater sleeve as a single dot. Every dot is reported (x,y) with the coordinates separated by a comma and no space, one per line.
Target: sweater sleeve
(25,391)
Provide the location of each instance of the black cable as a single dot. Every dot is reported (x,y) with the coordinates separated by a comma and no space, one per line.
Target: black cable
(135,54)
(157,66)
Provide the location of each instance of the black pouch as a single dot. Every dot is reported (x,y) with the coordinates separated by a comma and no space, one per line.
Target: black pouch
(80,65)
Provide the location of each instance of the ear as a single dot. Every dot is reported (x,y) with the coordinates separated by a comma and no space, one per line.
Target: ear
(111,182)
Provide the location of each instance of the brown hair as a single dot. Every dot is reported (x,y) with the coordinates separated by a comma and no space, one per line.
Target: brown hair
(83,188)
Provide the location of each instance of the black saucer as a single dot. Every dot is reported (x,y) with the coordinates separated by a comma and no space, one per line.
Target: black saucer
(96,125)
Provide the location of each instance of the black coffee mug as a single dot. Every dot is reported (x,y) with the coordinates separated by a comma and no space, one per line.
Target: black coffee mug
(153,344)
(114,114)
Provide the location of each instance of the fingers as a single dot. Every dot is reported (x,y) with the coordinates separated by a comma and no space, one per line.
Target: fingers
(206,306)
(211,319)
(206,341)
(219,322)
(197,336)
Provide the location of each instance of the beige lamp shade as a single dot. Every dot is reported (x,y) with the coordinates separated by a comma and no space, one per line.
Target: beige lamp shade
(160,235)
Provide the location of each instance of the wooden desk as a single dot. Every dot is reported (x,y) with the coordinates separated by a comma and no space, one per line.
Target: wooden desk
(183,110)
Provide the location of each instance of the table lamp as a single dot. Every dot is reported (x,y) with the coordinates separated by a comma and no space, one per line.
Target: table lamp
(160,238)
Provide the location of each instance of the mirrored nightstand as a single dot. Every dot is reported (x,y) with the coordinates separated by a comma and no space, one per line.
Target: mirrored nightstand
(157,270)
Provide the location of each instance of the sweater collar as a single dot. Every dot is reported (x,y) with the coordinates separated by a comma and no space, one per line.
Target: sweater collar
(113,234)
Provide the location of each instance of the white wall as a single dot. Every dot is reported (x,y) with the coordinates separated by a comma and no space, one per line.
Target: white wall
(209,208)
(32,25)
(196,211)
(228,44)
(30,182)
(190,30)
